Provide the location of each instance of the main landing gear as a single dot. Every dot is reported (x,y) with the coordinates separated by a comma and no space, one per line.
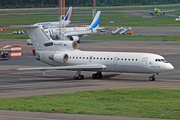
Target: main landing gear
(97,75)
(152,78)
(77,76)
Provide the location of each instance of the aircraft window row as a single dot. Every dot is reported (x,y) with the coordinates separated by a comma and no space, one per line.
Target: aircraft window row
(103,58)
(161,60)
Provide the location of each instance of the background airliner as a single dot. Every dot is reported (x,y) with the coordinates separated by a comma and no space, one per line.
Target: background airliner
(75,33)
(156,11)
(66,21)
(65,55)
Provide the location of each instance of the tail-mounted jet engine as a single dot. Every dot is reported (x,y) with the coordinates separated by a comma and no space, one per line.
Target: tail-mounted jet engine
(63,58)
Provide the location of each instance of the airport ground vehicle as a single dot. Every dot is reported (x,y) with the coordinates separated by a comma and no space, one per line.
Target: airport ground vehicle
(4,55)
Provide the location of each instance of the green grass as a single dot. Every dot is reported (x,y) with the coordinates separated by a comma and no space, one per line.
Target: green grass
(145,22)
(132,37)
(146,103)
(25,19)
(177,12)
(12,36)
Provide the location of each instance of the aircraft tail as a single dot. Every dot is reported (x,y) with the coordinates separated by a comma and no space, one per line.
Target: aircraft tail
(96,21)
(68,15)
(40,40)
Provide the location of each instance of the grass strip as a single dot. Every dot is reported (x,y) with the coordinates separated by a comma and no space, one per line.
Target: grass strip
(132,37)
(12,36)
(144,22)
(146,103)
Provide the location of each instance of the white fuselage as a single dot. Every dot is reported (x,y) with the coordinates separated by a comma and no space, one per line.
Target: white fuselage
(54,24)
(71,31)
(127,62)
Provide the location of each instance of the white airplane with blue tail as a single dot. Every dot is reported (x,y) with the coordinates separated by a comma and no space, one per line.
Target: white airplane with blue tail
(75,33)
(66,21)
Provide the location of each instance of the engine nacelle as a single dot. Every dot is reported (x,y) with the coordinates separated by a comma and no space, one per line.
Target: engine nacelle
(63,58)
(74,38)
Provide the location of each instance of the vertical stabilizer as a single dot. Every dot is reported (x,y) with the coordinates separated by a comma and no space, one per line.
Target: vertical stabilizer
(96,20)
(39,38)
(68,15)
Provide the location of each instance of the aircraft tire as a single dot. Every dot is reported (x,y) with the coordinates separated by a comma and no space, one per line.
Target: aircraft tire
(151,78)
(94,76)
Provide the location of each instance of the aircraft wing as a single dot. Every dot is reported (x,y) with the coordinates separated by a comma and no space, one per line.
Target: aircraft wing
(168,11)
(75,67)
(78,33)
(146,11)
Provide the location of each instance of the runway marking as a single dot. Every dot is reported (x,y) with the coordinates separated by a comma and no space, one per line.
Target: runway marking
(25,79)
(44,73)
(27,118)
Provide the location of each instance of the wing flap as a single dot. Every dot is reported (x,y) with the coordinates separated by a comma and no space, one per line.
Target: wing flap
(75,67)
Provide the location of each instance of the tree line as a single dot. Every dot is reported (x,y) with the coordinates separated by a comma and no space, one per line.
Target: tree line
(80,3)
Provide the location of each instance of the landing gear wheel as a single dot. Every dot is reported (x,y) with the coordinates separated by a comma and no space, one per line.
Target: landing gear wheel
(80,77)
(94,76)
(151,78)
(97,75)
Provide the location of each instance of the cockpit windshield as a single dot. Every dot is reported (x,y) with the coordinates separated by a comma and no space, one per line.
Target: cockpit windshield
(161,60)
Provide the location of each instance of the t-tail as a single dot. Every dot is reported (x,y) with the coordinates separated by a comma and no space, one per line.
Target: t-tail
(96,21)
(68,15)
(42,42)
(39,38)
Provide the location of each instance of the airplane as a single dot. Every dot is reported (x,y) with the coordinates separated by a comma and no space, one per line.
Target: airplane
(156,11)
(75,33)
(65,55)
(66,21)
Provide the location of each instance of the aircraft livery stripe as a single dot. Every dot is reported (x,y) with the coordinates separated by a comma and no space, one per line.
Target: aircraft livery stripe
(95,24)
(67,16)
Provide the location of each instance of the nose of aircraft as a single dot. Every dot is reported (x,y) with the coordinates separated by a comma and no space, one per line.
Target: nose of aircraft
(169,67)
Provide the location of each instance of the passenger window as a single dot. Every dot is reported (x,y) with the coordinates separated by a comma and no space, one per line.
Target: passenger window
(76,57)
(107,58)
(121,58)
(111,58)
(87,58)
(104,58)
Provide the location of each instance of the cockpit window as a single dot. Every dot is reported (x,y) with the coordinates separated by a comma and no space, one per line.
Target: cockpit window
(161,60)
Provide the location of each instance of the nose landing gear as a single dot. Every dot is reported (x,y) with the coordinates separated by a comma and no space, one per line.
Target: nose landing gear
(152,78)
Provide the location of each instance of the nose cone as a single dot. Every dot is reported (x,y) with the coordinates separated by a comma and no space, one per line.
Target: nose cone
(169,67)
